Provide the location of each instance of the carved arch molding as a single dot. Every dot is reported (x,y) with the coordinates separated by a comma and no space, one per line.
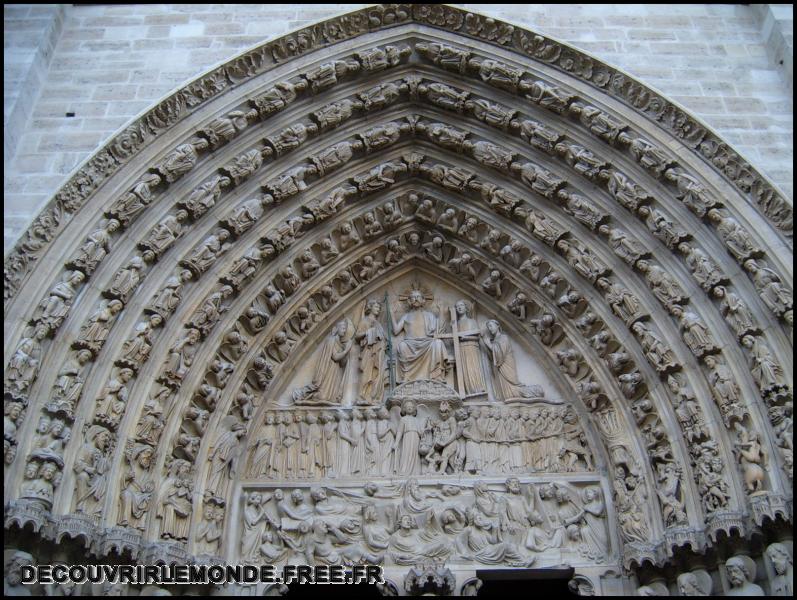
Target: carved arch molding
(192,323)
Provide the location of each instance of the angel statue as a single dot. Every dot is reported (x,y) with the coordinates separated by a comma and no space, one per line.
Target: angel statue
(421,354)
(330,374)
(372,340)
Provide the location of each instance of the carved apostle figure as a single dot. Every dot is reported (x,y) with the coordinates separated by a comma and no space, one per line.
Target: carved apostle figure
(741,574)
(421,355)
(783,565)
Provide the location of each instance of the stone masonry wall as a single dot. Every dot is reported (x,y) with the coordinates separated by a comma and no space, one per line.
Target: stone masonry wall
(110,63)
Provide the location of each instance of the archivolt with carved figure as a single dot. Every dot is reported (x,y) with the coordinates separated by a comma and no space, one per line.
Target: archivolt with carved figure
(443,291)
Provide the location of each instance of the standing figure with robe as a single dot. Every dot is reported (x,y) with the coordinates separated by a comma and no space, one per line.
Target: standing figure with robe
(408,440)
(506,384)
(371,337)
(469,360)
(330,374)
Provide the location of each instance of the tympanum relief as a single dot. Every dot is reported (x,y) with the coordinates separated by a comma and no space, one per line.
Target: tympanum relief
(300,409)
(509,522)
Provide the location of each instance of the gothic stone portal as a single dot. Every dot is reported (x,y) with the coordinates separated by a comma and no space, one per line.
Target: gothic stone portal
(461,462)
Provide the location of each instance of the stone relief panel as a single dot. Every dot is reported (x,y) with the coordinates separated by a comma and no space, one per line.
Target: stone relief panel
(516,522)
(415,380)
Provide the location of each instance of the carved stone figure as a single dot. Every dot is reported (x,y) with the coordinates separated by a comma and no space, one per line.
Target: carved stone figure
(626,247)
(735,311)
(94,249)
(783,565)
(544,228)
(767,372)
(550,97)
(174,507)
(113,399)
(444,96)
(650,156)
(204,197)
(126,208)
(137,485)
(664,286)
(210,311)
(448,220)
(741,574)
(380,177)
(656,351)
(167,299)
(582,259)
(661,226)
(695,332)
(627,192)
(691,192)
(328,381)
(581,159)
(180,358)
(182,159)
(463,265)
(506,384)
(204,255)
(704,269)
(694,583)
(448,57)
(582,209)
(434,249)
(163,235)
(421,355)
(336,113)
(56,306)
(539,179)
(372,340)
(725,390)
(95,331)
(278,97)
(737,239)
(91,468)
(24,364)
(222,459)
(770,287)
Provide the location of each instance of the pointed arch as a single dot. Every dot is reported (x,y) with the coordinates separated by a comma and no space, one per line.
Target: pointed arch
(225,183)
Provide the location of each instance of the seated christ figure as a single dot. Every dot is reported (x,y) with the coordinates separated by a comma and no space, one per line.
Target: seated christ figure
(420,354)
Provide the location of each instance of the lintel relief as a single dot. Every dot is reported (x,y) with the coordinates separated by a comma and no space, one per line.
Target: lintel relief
(411,286)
